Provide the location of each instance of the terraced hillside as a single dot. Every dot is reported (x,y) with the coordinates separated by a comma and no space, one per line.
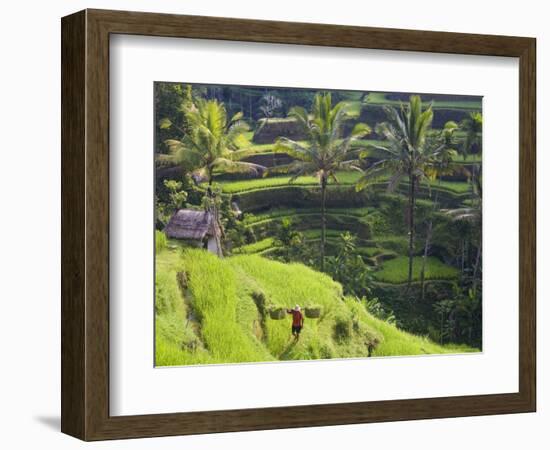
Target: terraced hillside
(225,307)
(322,239)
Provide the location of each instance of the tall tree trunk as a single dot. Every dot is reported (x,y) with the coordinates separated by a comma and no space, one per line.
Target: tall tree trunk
(427,248)
(215,213)
(424,258)
(323,220)
(463,257)
(472,184)
(476,267)
(412,202)
(210,172)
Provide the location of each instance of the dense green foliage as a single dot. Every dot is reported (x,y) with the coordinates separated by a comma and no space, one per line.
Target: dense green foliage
(211,141)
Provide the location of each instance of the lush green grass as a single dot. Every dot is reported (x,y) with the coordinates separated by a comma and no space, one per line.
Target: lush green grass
(471,158)
(379,98)
(256,247)
(257,149)
(370,251)
(172,330)
(215,303)
(216,319)
(459,187)
(232,187)
(396,270)
(396,342)
(160,241)
(268,149)
(315,234)
(344,179)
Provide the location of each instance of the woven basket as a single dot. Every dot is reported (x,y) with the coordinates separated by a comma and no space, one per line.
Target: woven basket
(277,313)
(313,312)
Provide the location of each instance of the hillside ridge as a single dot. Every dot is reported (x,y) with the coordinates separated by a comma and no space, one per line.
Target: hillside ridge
(225,304)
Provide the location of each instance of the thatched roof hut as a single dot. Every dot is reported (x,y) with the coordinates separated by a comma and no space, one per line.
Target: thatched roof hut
(199,227)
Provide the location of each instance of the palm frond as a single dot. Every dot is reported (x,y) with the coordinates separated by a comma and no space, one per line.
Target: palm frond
(394,181)
(301,116)
(301,169)
(294,149)
(372,174)
(165,123)
(360,130)
(395,117)
(230,166)
(237,117)
(237,155)
(464,214)
(210,141)
(389,150)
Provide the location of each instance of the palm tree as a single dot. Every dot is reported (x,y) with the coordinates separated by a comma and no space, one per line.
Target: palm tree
(210,142)
(444,163)
(440,166)
(473,125)
(406,155)
(269,105)
(326,150)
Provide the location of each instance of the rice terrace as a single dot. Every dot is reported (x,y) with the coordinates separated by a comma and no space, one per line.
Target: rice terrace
(301,224)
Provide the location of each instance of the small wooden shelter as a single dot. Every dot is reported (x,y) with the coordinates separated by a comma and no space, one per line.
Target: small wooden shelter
(197,228)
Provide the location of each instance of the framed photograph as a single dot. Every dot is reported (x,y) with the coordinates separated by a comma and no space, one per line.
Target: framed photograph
(272,225)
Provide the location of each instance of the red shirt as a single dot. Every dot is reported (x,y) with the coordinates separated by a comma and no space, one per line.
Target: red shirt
(297,317)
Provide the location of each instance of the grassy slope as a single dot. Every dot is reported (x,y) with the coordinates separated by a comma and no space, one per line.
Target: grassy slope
(226,325)
(256,247)
(396,270)
(214,302)
(344,179)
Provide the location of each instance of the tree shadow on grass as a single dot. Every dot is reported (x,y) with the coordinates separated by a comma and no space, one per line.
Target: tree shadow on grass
(286,352)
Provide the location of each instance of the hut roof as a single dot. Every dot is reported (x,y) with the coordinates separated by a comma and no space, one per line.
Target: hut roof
(190,224)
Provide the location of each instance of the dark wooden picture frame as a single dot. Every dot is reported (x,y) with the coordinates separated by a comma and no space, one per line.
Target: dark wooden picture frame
(85,224)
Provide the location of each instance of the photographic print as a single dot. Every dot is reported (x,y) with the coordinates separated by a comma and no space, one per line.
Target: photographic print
(298,224)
